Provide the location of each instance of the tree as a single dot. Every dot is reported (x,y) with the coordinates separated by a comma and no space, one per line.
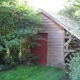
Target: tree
(75,3)
(70,12)
(17,21)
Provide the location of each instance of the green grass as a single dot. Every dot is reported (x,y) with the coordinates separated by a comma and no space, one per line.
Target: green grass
(33,73)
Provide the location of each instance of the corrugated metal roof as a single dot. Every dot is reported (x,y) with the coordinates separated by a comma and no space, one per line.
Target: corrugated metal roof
(65,22)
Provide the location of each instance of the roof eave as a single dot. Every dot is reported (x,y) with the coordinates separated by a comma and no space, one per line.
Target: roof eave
(54,19)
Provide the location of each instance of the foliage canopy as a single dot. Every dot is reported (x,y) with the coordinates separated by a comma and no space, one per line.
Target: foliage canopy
(70,12)
(17,21)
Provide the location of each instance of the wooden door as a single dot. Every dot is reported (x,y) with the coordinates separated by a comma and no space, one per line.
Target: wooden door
(41,50)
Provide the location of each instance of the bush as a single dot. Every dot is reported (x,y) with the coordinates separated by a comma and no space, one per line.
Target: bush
(17,22)
(74,66)
(30,59)
(2,67)
(9,62)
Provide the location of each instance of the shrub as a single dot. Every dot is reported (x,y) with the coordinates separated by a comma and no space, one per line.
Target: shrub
(74,66)
(2,67)
(30,59)
(9,62)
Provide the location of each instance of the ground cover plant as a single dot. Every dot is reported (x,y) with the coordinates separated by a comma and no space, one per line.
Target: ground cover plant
(33,73)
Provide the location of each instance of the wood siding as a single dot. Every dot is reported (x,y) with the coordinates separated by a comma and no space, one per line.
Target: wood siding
(55,49)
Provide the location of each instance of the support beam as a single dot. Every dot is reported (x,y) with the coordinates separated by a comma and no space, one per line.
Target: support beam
(66,55)
(68,51)
(67,37)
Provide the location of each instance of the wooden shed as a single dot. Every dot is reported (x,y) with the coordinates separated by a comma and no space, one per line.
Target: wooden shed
(54,48)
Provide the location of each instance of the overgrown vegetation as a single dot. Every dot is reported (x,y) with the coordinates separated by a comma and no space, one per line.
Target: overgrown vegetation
(72,12)
(74,66)
(33,73)
(18,21)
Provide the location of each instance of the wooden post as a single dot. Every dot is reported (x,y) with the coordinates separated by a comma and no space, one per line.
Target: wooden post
(67,50)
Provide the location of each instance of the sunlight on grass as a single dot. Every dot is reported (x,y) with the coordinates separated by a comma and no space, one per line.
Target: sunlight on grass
(33,73)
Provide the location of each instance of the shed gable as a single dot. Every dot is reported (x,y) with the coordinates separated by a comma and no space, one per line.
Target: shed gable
(49,24)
